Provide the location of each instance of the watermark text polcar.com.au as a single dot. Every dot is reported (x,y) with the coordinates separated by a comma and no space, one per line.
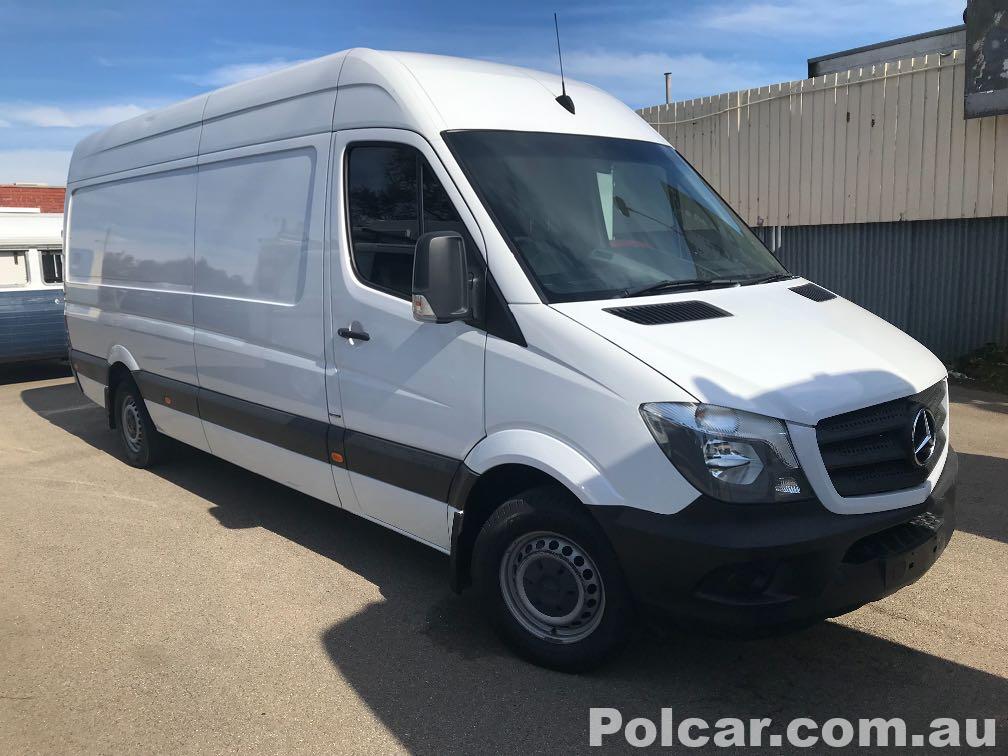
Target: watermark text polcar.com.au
(606,725)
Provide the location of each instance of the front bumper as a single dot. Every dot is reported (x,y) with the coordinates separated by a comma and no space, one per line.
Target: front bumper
(761,567)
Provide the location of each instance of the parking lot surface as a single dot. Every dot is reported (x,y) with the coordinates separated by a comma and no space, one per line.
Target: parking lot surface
(199,608)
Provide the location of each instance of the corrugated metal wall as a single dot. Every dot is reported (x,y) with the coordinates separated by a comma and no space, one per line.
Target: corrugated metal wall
(880,143)
(945,282)
(873,185)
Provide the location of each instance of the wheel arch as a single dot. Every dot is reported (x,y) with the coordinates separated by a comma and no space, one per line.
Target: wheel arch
(119,353)
(122,366)
(505,464)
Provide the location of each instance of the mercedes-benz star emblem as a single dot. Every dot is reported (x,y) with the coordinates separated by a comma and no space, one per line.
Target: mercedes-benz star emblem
(922,436)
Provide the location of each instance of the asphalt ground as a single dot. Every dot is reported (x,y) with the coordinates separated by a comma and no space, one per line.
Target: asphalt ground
(199,608)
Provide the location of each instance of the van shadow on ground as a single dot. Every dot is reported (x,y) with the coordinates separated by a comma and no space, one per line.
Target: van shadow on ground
(425,662)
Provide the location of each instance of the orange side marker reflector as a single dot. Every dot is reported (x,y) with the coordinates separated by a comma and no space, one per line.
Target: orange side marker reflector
(167,401)
(337,458)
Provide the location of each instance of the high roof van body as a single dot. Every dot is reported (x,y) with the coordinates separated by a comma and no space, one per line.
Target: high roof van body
(519,329)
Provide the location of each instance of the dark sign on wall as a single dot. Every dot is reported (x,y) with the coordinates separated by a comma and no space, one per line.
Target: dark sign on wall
(986,58)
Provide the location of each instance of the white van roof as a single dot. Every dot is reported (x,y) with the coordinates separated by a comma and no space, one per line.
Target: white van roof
(352,89)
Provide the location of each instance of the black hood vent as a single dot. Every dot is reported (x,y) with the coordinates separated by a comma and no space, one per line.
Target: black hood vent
(813,292)
(670,312)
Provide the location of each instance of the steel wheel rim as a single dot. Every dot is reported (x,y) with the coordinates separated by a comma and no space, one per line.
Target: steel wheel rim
(132,432)
(552,587)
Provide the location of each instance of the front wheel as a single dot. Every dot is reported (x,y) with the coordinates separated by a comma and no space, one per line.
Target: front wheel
(551,583)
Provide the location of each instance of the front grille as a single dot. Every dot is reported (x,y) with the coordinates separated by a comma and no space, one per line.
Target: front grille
(869,451)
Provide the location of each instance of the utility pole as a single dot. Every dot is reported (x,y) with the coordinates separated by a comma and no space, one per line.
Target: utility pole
(668,87)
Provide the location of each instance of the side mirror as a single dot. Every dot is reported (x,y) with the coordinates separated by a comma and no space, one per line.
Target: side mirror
(441,279)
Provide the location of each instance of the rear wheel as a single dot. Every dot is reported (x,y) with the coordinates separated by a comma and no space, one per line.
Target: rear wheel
(141,442)
(551,583)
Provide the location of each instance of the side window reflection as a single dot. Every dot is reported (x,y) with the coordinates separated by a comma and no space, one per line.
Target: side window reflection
(393,198)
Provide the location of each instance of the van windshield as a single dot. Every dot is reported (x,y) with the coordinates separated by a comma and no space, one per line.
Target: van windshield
(596,217)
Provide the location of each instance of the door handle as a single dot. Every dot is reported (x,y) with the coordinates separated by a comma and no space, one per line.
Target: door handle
(346,333)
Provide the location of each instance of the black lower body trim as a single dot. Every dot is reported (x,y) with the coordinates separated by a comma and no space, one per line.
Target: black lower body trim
(755,568)
(461,486)
(423,472)
(90,366)
(301,435)
(176,395)
(458,575)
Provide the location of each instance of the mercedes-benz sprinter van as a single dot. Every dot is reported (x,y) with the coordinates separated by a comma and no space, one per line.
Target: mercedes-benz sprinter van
(515,326)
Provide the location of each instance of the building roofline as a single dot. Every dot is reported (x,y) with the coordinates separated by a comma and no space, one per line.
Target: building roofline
(887,43)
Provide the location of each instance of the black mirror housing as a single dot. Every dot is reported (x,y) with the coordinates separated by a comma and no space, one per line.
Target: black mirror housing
(441,291)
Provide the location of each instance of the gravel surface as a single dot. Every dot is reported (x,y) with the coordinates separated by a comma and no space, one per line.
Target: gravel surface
(198,608)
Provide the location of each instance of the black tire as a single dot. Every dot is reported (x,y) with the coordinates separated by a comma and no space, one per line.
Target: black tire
(546,582)
(142,444)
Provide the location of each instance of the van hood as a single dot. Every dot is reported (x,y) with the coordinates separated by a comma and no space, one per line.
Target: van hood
(777,353)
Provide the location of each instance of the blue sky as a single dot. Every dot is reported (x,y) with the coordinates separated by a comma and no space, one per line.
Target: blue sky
(73,67)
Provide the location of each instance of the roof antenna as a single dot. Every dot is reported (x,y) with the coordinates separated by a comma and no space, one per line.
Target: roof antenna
(564,99)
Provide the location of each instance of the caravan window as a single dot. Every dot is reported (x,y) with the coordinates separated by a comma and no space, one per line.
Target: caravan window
(13,268)
(52,266)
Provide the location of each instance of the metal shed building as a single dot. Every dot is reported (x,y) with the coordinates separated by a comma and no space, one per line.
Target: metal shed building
(870,181)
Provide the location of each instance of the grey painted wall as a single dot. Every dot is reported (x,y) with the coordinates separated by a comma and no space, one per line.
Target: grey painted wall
(945,282)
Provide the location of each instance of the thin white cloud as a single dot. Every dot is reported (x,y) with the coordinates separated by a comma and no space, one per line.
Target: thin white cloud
(688,68)
(53,116)
(638,78)
(821,18)
(706,63)
(34,166)
(770,17)
(235,72)
(4,124)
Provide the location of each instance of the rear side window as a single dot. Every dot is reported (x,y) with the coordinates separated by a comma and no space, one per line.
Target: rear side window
(253,222)
(13,268)
(52,266)
(134,231)
(393,197)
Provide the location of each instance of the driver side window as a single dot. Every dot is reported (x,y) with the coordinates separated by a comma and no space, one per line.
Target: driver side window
(393,197)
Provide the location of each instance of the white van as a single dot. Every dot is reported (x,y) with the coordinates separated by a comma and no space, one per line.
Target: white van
(518,328)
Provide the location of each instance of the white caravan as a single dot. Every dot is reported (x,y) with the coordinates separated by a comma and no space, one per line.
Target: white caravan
(31,286)
(514,326)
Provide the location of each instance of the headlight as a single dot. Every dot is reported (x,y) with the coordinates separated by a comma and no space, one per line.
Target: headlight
(731,455)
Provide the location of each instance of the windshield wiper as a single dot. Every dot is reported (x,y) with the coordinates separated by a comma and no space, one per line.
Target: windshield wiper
(671,285)
(767,279)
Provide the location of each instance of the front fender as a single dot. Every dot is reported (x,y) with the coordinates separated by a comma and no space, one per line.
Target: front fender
(549,455)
